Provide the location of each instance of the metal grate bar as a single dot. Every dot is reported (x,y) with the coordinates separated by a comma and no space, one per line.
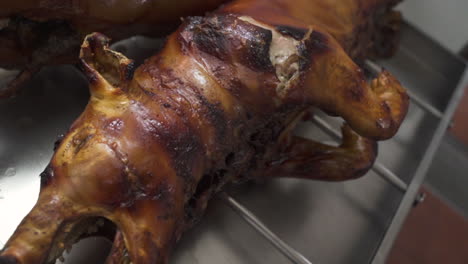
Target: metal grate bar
(424,105)
(284,248)
(378,167)
(375,69)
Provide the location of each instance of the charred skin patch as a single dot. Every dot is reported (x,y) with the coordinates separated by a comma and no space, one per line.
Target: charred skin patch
(185,147)
(296,33)
(128,71)
(318,42)
(262,137)
(205,188)
(235,86)
(215,115)
(316,45)
(256,52)
(178,138)
(355,93)
(164,194)
(227,36)
(209,36)
(187,96)
(138,189)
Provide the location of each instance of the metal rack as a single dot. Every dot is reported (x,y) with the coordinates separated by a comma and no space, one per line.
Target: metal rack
(364,216)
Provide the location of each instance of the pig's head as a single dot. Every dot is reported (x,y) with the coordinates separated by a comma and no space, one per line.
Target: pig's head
(108,174)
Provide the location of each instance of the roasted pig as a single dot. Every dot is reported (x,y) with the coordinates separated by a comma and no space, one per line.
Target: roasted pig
(218,104)
(38,33)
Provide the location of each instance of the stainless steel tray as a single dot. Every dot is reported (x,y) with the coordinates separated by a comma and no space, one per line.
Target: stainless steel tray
(349,222)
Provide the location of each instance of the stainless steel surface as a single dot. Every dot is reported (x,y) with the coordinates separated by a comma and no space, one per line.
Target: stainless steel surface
(224,237)
(446,177)
(284,248)
(445,21)
(29,125)
(420,174)
(378,167)
(329,223)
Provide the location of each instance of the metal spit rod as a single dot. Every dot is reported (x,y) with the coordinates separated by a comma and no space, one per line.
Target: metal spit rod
(375,69)
(284,248)
(378,167)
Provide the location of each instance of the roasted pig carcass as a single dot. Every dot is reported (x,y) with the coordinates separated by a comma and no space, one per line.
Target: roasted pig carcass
(218,104)
(38,33)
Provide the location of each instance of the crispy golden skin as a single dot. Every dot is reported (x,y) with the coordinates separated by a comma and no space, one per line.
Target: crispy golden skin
(217,104)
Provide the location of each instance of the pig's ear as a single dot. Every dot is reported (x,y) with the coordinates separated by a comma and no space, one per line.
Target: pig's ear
(107,71)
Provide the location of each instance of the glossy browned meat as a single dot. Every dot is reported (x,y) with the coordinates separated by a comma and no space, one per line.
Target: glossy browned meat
(216,105)
(37,33)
